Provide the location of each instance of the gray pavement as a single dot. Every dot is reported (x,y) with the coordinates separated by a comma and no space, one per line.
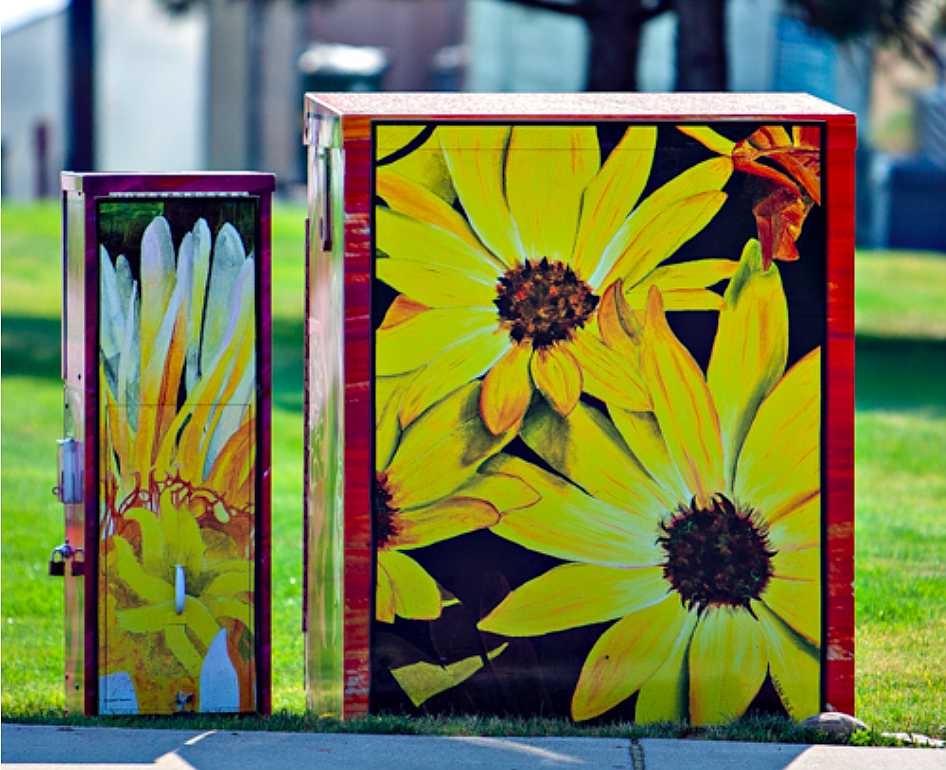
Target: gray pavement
(38,747)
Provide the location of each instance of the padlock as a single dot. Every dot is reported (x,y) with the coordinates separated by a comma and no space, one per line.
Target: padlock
(57,566)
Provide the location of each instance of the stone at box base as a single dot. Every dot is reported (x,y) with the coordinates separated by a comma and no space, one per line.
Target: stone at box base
(834,723)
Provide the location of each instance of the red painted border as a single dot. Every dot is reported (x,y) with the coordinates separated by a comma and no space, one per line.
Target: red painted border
(359,425)
(93,186)
(357,111)
(839,415)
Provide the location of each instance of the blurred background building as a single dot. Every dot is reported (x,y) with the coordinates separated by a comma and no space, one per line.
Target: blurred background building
(218,84)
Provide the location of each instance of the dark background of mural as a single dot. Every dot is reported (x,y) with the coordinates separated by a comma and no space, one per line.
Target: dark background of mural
(537,676)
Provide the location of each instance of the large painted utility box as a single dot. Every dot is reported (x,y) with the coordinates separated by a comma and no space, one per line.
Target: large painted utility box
(165,460)
(579,416)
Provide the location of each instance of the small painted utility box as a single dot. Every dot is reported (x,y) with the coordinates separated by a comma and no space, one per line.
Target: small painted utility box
(164,465)
(579,417)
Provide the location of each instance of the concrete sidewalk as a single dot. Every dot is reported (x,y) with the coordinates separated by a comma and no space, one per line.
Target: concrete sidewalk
(38,747)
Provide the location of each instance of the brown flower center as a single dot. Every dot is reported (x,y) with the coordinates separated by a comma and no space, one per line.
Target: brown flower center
(543,302)
(386,527)
(716,556)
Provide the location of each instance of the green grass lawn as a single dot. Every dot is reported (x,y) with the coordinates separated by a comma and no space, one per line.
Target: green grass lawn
(901,477)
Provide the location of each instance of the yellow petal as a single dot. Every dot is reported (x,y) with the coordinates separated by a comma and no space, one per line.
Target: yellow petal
(402,309)
(422,680)
(507,389)
(442,450)
(161,373)
(183,649)
(728,663)
(420,527)
(798,528)
(665,697)
(230,583)
(394,138)
(199,620)
(695,274)
(709,138)
(575,595)
(182,534)
(233,462)
(384,593)
(227,607)
(453,367)
(794,592)
(611,196)
(547,170)
(676,299)
(416,341)
(146,620)
(503,491)
(151,588)
(586,448)
(476,157)
(618,326)
(626,656)
(388,394)
(431,265)
(642,433)
(221,376)
(683,405)
(750,350)
(557,375)
(424,165)
(420,203)
(568,524)
(664,221)
(153,555)
(794,664)
(608,375)
(416,595)
(779,467)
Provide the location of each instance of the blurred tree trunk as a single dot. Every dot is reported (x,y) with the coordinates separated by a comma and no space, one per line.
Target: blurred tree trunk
(80,153)
(614,27)
(701,45)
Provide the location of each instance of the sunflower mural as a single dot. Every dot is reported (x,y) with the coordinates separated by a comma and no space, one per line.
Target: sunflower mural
(598,419)
(178,375)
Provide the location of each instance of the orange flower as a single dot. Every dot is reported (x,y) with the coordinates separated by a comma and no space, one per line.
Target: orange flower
(779,216)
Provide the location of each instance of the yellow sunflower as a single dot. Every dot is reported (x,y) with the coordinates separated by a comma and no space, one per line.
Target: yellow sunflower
(508,288)
(186,325)
(696,527)
(178,376)
(427,489)
(180,591)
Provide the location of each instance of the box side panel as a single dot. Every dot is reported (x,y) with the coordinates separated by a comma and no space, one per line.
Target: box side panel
(74,425)
(325,443)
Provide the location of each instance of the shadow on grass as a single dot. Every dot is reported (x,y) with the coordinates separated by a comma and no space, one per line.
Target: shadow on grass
(288,364)
(901,374)
(30,347)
